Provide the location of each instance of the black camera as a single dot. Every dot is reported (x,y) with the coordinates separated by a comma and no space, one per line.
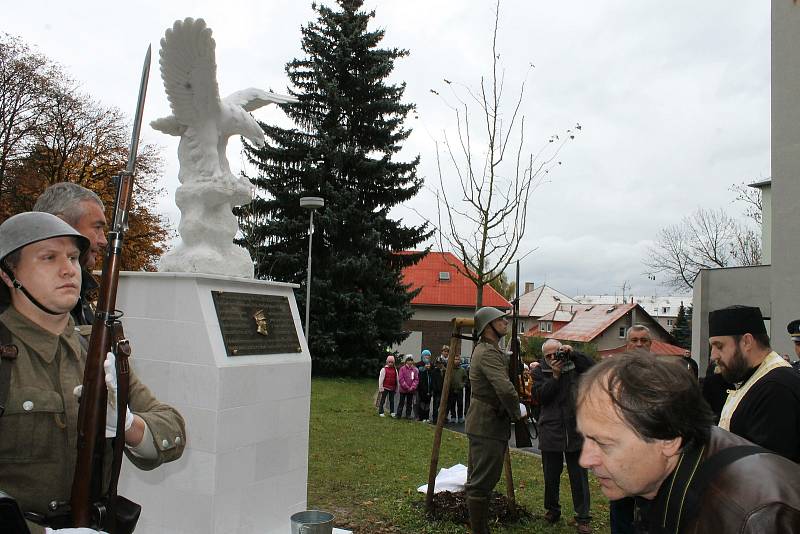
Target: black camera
(562,355)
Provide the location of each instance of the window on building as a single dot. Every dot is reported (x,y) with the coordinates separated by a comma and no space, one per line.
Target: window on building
(669,322)
(622,331)
(665,309)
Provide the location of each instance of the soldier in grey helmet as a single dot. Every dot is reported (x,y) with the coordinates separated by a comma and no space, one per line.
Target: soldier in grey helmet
(41,277)
(82,209)
(26,229)
(494,404)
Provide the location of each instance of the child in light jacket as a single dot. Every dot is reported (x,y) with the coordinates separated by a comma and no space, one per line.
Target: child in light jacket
(387,384)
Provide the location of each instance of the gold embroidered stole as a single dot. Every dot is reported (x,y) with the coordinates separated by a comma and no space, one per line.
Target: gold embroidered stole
(735,396)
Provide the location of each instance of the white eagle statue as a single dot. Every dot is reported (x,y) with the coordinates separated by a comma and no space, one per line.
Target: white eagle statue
(204,122)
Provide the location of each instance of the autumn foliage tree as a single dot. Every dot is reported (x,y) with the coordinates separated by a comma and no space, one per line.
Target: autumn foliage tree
(50,132)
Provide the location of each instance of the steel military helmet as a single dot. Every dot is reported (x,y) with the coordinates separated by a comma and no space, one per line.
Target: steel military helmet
(30,227)
(486,315)
(24,229)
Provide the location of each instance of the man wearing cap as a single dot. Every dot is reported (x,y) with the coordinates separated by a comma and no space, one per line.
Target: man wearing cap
(495,404)
(764,407)
(41,276)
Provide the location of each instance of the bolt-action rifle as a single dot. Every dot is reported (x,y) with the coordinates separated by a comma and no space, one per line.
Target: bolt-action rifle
(90,504)
(521,435)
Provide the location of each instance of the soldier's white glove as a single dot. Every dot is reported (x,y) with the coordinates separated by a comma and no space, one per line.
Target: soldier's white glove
(80,530)
(523,411)
(111,385)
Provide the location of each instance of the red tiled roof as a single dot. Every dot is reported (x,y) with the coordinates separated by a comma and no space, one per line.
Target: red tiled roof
(589,321)
(459,291)
(659,348)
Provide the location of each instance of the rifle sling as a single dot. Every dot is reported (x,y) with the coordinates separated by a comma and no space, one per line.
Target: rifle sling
(8,355)
(122,353)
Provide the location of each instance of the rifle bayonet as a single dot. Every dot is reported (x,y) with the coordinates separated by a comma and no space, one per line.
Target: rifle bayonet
(121,216)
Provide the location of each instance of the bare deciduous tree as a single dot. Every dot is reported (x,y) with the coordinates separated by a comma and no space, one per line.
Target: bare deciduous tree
(751,197)
(706,239)
(483,218)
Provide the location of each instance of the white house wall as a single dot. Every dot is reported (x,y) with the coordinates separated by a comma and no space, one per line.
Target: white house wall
(785,135)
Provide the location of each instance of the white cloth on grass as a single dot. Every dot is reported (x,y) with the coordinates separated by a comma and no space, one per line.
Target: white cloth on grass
(448,479)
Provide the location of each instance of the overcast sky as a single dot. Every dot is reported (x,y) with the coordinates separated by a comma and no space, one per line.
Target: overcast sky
(673,99)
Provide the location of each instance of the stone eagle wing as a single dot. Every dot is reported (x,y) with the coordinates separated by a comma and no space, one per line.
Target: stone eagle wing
(189,71)
(252,98)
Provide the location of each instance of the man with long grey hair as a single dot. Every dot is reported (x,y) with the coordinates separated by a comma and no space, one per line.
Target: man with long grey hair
(649,434)
(82,209)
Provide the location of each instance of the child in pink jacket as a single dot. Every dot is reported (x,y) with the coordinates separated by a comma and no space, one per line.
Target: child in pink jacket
(409,380)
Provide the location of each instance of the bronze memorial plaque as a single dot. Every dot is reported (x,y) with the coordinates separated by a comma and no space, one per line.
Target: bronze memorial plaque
(255,324)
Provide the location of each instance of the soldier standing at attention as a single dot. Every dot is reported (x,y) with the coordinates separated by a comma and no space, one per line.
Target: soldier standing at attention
(494,405)
(84,211)
(41,276)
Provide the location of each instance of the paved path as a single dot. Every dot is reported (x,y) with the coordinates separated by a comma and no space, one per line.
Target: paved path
(459,427)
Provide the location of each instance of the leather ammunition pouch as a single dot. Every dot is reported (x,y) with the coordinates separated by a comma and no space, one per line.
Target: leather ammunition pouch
(115,515)
(11,519)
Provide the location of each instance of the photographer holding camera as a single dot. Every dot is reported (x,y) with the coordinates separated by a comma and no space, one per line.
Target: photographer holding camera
(555,382)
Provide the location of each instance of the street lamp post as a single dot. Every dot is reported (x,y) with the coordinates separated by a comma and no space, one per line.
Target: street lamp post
(311,204)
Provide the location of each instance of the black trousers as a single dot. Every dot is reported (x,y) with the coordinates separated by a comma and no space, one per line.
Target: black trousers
(406,399)
(455,404)
(553,465)
(436,399)
(384,394)
(423,407)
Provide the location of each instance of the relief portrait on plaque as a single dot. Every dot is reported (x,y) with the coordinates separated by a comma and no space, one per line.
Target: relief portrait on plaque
(255,324)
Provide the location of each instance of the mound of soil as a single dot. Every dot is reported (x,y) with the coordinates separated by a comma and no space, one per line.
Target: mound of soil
(449,506)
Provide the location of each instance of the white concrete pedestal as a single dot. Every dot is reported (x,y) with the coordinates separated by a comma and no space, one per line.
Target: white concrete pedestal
(245,467)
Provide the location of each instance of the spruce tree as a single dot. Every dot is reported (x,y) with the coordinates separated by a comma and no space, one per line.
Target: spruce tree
(349,127)
(682,329)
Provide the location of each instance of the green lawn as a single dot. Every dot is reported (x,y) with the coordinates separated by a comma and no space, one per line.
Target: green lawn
(365,469)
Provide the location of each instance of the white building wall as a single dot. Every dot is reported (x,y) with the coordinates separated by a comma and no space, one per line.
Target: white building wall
(766,225)
(412,345)
(785,235)
(718,288)
(440,313)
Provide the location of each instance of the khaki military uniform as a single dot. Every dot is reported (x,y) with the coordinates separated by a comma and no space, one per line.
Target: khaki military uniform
(494,403)
(38,432)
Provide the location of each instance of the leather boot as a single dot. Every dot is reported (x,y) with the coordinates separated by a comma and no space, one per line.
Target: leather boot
(478,515)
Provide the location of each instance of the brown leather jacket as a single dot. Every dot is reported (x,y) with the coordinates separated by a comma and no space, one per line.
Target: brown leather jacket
(757,494)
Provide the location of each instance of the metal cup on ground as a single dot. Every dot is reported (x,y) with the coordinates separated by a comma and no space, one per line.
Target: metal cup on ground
(312,522)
